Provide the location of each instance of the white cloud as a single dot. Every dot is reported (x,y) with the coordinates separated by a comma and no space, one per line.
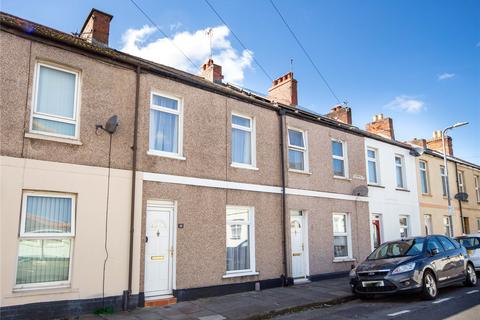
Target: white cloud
(196,45)
(445,76)
(406,103)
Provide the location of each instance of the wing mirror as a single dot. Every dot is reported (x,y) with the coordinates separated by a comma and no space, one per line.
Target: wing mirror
(434,251)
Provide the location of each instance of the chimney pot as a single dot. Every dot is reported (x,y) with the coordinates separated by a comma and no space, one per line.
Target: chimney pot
(436,143)
(96,28)
(284,90)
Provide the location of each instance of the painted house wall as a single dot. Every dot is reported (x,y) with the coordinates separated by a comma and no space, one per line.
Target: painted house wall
(388,200)
(89,185)
(471,208)
(434,203)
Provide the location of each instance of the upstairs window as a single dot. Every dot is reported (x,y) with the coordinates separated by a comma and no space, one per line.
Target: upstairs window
(339,159)
(165,125)
(55,102)
(444,181)
(400,171)
(423,176)
(243,141)
(477,187)
(372,166)
(461,185)
(47,230)
(297,150)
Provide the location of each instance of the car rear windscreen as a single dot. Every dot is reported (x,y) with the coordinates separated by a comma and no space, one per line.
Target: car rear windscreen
(470,242)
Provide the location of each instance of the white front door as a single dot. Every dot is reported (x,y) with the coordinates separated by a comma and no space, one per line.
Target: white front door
(159,250)
(297,236)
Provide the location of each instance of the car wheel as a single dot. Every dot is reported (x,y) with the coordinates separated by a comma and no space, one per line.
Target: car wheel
(429,287)
(471,278)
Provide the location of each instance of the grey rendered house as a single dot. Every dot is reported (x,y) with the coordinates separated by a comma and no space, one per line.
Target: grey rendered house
(202,189)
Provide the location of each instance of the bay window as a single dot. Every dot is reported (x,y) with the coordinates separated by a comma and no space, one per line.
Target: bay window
(297,150)
(404,226)
(47,230)
(165,137)
(55,107)
(447,226)
(240,240)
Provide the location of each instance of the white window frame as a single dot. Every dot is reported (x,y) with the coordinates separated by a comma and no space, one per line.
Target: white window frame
(348,234)
(179,113)
(449,225)
(461,182)
(375,160)
(425,171)
(402,166)
(251,239)
(41,115)
(407,218)
(304,150)
(344,158)
(45,236)
(253,141)
(443,178)
(477,188)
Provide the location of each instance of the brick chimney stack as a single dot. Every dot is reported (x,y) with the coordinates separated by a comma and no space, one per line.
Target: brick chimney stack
(436,143)
(211,71)
(96,28)
(341,113)
(419,142)
(284,90)
(381,126)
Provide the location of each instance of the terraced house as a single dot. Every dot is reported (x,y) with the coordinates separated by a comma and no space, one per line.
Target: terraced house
(127,183)
(130,183)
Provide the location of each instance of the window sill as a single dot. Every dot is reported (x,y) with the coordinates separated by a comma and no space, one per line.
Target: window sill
(346,259)
(299,171)
(243,166)
(240,274)
(342,178)
(165,155)
(376,185)
(402,189)
(31,135)
(426,195)
(38,290)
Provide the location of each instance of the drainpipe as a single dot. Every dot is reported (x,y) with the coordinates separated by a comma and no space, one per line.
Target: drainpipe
(459,202)
(134,174)
(282,113)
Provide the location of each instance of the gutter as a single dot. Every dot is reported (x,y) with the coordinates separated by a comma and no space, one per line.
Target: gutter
(459,202)
(282,113)
(134,174)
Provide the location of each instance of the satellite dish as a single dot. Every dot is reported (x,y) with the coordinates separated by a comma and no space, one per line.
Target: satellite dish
(360,191)
(461,196)
(112,124)
(417,151)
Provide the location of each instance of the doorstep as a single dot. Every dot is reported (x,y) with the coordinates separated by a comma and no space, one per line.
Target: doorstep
(160,301)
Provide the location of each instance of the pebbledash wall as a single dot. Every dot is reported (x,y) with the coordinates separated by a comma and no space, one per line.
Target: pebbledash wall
(200,182)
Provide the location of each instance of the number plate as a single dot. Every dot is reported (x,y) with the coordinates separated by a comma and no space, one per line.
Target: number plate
(372,284)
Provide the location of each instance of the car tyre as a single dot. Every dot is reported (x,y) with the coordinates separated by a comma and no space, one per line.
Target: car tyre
(471,278)
(429,286)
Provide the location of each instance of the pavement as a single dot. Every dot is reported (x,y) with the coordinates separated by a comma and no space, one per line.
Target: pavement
(252,305)
(453,303)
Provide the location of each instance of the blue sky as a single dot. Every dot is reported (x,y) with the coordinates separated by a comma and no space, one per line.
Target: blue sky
(416,61)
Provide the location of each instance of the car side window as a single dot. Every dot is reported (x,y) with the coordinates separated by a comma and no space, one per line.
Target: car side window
(433,243)
(447,244)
